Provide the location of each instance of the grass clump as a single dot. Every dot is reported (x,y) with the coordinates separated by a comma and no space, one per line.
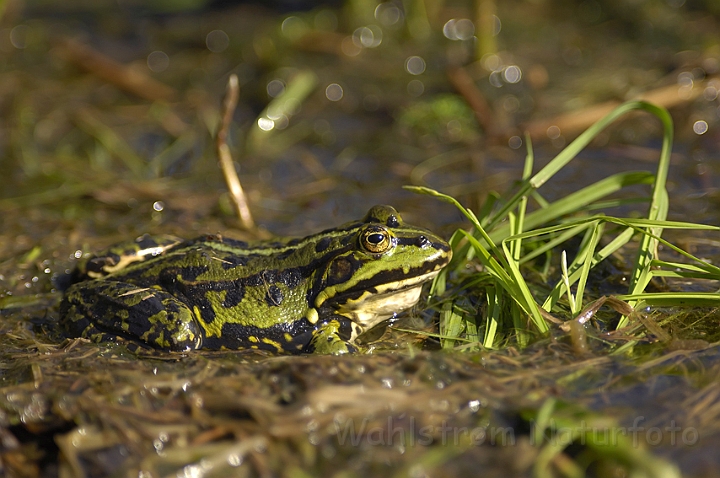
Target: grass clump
(506,238)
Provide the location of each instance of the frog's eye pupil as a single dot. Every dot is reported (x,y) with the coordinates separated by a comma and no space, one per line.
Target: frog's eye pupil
(375,238)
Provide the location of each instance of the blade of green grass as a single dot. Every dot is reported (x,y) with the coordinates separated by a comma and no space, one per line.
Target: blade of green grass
(659,205)
(585,256)
(452,325)
(673,299)
(520,292)
(579,199)
(494,311)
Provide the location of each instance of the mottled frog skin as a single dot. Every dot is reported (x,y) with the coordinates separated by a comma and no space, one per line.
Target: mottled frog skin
(314,294)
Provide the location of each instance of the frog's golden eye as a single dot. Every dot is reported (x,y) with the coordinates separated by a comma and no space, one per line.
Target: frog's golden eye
(375,239)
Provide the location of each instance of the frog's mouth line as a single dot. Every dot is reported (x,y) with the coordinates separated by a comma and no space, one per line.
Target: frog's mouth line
(384,301)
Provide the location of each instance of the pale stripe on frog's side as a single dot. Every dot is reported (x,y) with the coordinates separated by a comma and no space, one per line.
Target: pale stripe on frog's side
(312,294)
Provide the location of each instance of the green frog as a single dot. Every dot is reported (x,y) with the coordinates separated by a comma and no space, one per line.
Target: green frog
(315,294)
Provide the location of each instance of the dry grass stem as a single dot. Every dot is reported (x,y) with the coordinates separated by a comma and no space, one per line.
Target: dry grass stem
(226,162)
(573,123)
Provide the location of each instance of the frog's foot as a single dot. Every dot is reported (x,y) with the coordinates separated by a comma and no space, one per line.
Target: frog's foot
(328,338)
(96,335)
(102,309)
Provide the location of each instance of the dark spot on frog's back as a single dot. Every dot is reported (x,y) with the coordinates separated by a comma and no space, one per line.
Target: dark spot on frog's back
(232,261)
(323,244)
(292,278)
(285,254)
(274,296)
(168,277)
(234,243)
(234,295)
(289,277)
(340,271)
(192,273)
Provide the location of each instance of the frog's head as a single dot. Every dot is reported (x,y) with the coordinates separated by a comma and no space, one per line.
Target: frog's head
(381,270)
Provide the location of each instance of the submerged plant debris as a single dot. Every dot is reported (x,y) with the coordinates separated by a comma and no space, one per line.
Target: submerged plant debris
(109,116)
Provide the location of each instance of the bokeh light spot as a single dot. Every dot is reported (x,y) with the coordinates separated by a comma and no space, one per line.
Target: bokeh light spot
(415,88)
(367,37)
(18,36)
(293,28)
(275,88)
(415,65)
(553,132)
(388,14)
(265,124)
(217,41)
(459,29)
(334,92)
(515,142)
(158,61)
(512,74)
(700,127)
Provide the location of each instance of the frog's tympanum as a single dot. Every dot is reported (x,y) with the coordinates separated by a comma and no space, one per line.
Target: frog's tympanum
(315,294)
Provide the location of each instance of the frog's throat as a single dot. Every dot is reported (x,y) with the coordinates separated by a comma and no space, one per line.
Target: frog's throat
(383,302)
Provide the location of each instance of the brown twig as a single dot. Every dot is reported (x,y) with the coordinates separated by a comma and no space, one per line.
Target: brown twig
(226,162)
(573,123)
(464,84)
(124,77)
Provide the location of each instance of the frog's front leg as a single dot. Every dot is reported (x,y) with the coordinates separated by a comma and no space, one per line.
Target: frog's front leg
(331,337)
(98,309)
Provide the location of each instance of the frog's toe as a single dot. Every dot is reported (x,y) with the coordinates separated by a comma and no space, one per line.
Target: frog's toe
(330,338)
(333,347)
